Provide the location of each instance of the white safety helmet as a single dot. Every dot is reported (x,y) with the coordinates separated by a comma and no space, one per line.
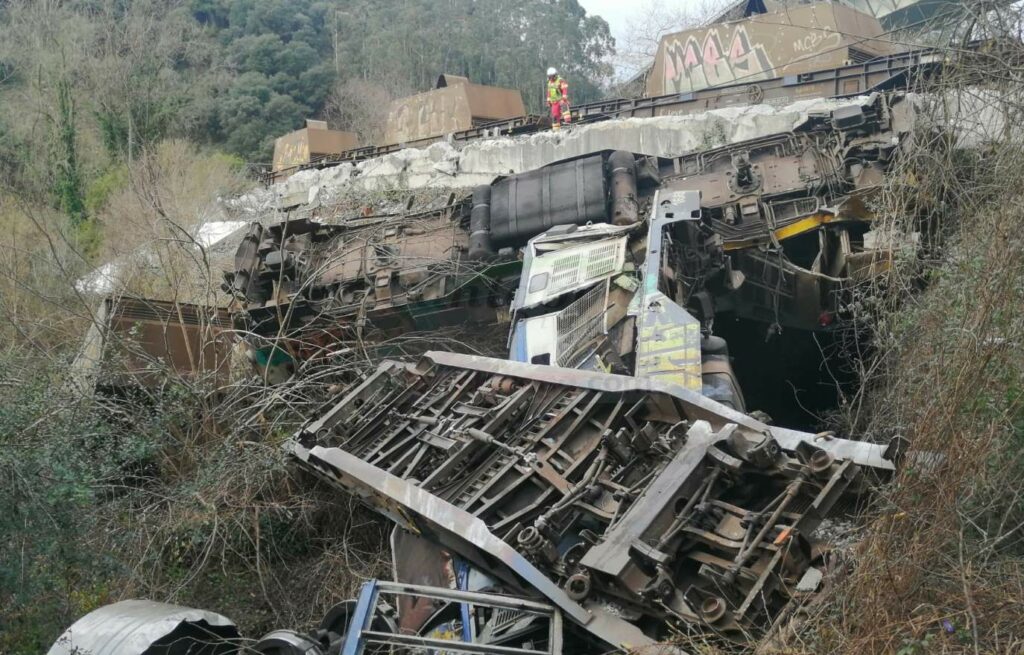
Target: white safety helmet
(552,71)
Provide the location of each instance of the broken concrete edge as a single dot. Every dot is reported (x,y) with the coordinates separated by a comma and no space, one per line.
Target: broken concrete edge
(480,162)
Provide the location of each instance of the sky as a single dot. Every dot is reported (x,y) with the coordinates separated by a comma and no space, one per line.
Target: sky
(619,14)
(615,12)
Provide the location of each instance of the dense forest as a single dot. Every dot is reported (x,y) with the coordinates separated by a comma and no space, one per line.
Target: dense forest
(87,85)
(235,73)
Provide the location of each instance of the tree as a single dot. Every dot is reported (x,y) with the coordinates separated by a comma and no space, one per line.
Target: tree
(654,19)
(278,54)
(495,42)
(67,186)
(237,73)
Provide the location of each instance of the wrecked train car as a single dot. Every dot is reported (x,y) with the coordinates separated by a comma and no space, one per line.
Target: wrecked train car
(140,343)
(317,283)
(783,219)
(601,511)
(638,508)
(775,229)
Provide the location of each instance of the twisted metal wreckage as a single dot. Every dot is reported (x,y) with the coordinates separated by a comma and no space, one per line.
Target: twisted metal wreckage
(605,476)
(636,507)
(603,487)
(632,493)
(772,229)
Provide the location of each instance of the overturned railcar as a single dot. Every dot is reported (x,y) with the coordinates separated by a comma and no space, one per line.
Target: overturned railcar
(611,261)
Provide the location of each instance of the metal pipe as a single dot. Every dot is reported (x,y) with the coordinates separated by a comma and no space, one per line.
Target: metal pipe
(595,471)
(480,246)
(625,207)
(741,558)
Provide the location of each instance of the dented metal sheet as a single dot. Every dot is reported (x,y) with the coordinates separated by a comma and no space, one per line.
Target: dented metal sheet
(668,337)
(143,627)
(573,268)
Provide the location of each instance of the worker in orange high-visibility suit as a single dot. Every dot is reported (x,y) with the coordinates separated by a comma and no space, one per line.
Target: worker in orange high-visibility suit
(558,99)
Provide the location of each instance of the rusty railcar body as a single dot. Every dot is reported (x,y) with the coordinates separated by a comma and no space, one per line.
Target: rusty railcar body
(310,144)
(765,46)
(137,342)
(454,105)
(779,233)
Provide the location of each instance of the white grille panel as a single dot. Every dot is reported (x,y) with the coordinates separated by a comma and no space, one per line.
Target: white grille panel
(576,268)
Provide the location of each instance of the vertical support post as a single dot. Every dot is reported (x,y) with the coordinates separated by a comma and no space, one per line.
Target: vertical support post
(366,606)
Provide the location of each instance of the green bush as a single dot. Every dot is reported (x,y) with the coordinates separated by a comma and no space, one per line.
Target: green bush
(99,191)
(56,460)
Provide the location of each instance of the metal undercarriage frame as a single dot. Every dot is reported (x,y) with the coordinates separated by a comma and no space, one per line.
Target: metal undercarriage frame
(492,624)
(635,506)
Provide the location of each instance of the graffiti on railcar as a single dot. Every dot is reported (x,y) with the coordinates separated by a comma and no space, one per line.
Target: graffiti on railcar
(291,151)
(692,65)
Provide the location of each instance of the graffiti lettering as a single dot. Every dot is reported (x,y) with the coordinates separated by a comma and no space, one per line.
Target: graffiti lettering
(816,41)
(291,154)
(694,65)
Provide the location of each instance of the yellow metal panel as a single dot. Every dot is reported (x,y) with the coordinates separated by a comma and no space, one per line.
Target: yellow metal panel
(793,229)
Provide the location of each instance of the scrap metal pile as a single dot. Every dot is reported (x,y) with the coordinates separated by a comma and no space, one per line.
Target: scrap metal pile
(606,467)
(602,487)
(317,282)
(638,508)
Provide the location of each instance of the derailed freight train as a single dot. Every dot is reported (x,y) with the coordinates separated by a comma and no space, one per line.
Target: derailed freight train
(603,489)
(556,512)
(611,261)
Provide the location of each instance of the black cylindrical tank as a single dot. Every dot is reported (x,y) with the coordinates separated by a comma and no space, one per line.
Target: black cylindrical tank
(480,246)
(524,205)
(622,171)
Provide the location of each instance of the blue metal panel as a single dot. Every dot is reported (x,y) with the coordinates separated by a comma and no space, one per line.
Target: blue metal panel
(462,583)
(361,619)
